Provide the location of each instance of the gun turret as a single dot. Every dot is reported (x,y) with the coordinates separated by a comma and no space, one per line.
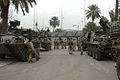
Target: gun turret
(14,24)
(104,24)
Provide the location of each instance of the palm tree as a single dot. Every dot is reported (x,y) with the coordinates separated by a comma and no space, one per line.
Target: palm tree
(93,12)
(0,27)
(112,16)
(4,9)
(54,22)
(91,27)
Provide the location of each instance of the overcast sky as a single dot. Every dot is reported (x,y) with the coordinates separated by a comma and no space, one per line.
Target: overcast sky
(73,12)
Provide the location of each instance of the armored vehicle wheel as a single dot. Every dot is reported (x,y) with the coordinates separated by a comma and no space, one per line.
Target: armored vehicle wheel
(98,55)
(118,68)
(88,50)
(2,56)
(48,47)
(91,48)
(93,52)
(24,55)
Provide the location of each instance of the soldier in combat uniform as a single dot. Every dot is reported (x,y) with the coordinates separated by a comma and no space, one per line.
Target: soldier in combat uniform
(31,50)
(65,43)
(80,45)
(70,46)
(58,43)
(74,44)
(37,46)
(62,43)
(55,44)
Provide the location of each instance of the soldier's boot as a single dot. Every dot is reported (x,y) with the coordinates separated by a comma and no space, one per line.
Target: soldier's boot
(81,53)
(73,49)
(37,58)
(30,58)
(65,47)
(30,61)
(70,53)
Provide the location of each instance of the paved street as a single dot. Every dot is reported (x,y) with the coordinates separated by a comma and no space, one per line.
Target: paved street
(58,65)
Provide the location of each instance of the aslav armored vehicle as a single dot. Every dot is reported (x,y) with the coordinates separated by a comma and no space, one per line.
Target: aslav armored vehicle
(45,39)
(100,43)
(105,43)
(115,33)
(13,45)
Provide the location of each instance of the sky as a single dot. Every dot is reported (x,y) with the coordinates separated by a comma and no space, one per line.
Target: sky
(73,12)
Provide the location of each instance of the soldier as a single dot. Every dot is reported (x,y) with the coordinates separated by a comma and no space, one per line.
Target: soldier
(70,46)
(74,44)
(62,43)
(55,44)
(80,45)
(58,43)
(65,43)
(31,50)
(37,46)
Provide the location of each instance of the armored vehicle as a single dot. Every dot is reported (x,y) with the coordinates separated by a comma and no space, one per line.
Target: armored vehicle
(100,43)
(45,43)
(106,42)
(115,33)
(45,39)
(14,47)
(13,44)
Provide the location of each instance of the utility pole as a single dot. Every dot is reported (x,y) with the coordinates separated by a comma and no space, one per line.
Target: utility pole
(36,24)
(33,19)
(61,17)
(84,13)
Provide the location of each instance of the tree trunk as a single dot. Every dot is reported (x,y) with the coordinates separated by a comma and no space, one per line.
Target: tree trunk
(4,16)
(92,19)
(116,9)
(53,29)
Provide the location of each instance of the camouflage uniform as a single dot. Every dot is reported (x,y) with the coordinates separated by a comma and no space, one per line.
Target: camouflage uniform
(65,44)
(37,46)
(74,45)
(80,45)
(58,43)
(31,51)
(70,46)
(62,43)
(55,44)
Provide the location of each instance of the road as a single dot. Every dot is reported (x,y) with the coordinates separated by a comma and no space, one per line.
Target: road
(58,65)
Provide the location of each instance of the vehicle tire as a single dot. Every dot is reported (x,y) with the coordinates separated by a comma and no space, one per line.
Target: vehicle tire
(2,56)
(91,47)
(88,50)
(48,47)
(93,52)
(98,55)
(118,68)
(24,55)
